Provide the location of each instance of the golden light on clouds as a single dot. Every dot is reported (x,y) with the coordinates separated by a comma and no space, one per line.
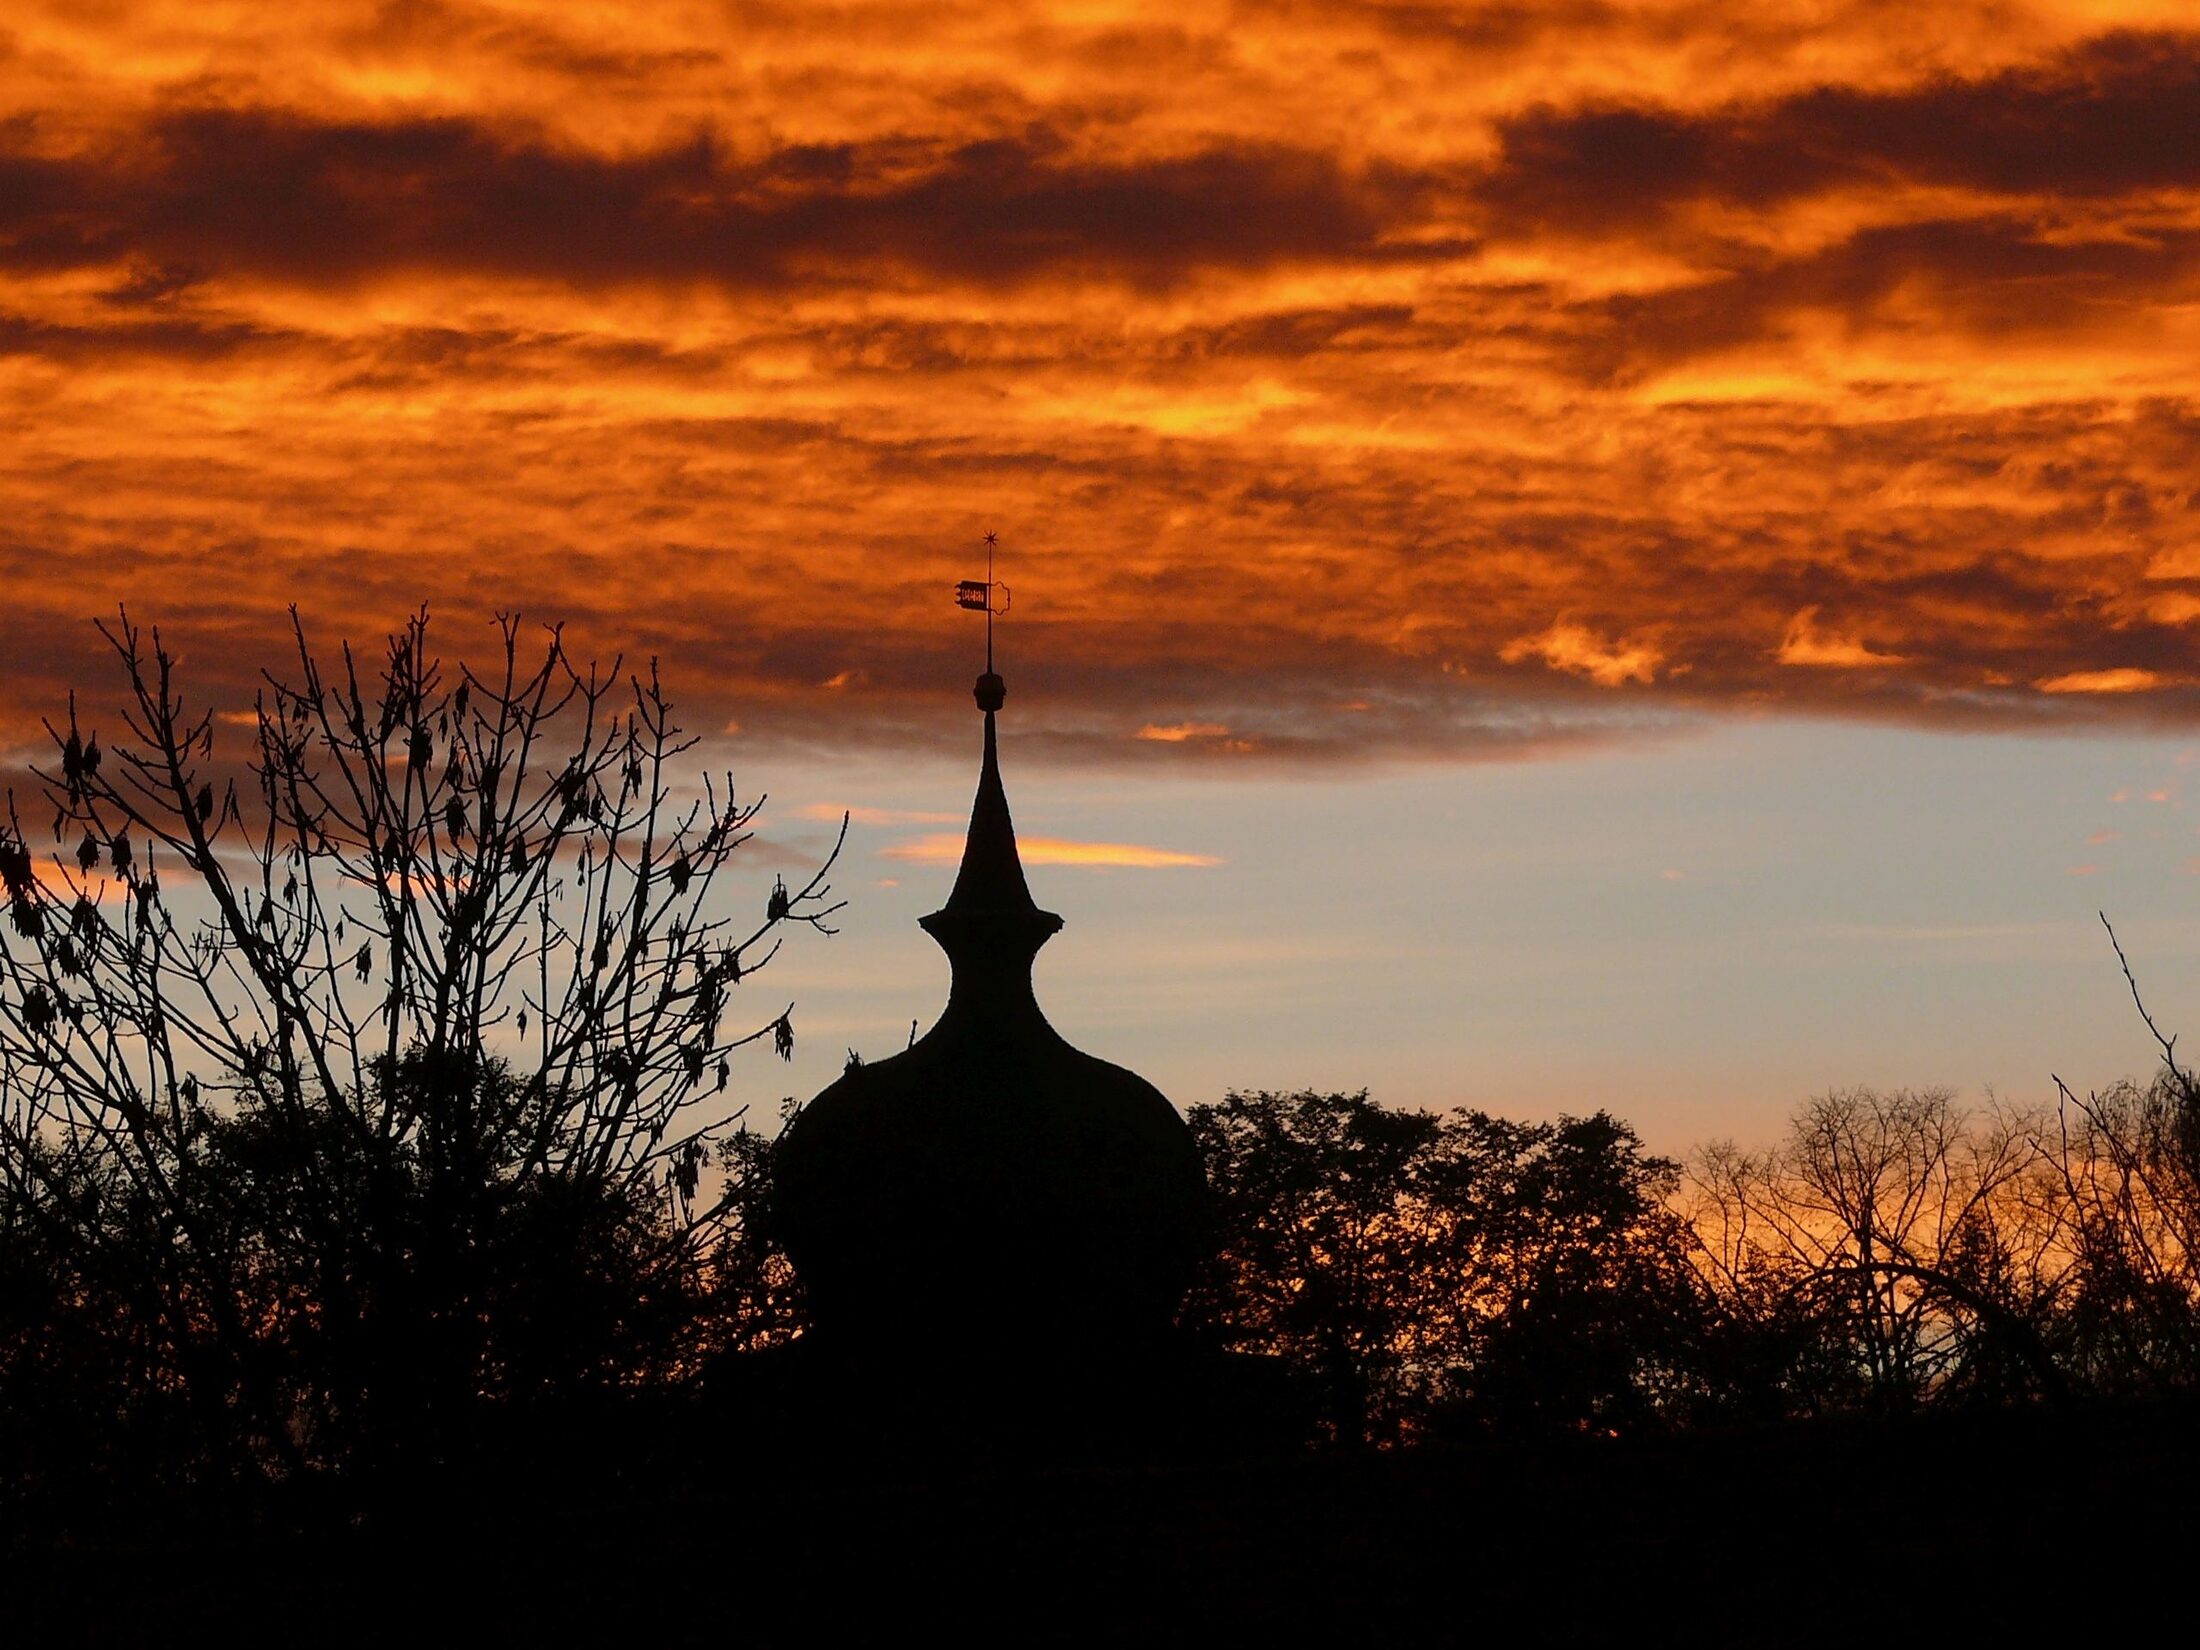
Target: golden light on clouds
(946,848)
(1501,370)
(1805,644)
(1176,733)
(2101,681)
(1575,648)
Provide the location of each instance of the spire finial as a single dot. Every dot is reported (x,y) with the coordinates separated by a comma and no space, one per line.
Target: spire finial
(990,895)
(990,597)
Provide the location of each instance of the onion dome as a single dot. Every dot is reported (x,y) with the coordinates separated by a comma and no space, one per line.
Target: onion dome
(991,1185)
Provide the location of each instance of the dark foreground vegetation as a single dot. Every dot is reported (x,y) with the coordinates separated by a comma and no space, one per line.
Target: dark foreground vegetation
(375,1202)
(1947,1528)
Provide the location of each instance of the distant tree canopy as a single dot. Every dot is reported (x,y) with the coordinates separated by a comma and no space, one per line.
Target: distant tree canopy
(1440,1276)
(1443,1271)
(1899,1250)
(364,1096)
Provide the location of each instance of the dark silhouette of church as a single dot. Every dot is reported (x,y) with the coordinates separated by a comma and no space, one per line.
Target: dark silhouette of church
(994,1229)
(992,1190)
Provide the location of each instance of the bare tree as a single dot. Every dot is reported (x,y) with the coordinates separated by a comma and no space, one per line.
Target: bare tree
(376,1078)
(2126,1166)
(1898,1225)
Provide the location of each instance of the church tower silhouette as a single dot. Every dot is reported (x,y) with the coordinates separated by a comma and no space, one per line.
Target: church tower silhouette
(992,1198)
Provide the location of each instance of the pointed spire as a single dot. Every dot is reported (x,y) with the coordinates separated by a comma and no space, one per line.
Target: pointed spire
(990,915)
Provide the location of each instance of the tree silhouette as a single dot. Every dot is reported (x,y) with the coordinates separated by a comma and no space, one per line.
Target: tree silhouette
(1446,1272)
(2126,1166)
(1897,1250)
(1591,1316)
(366,1096)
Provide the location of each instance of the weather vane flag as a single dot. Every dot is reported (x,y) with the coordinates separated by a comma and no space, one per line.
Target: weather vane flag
(986,596)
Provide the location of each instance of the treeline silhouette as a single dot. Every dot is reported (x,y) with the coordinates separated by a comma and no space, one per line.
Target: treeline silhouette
(389,1141)
(1450,1276)
(1453,1277)
(1429,1278)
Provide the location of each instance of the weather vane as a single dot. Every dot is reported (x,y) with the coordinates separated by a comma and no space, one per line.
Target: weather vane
(978,595)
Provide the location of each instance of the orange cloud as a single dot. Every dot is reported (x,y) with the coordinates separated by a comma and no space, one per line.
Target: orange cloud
(2119,680)
(1805,644)
(1176,733)
(946,848)
(1305,359)
(1575,648)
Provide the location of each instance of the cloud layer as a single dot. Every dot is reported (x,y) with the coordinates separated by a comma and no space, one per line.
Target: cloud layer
(1342,378)
(946,848)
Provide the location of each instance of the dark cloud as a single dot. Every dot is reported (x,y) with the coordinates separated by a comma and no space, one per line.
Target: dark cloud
(149,286)
(1981,276)
(180,340)
(2111,116)
(268,193)
(1295,334)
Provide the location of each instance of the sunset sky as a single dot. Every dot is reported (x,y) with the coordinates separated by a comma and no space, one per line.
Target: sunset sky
(1565,553)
